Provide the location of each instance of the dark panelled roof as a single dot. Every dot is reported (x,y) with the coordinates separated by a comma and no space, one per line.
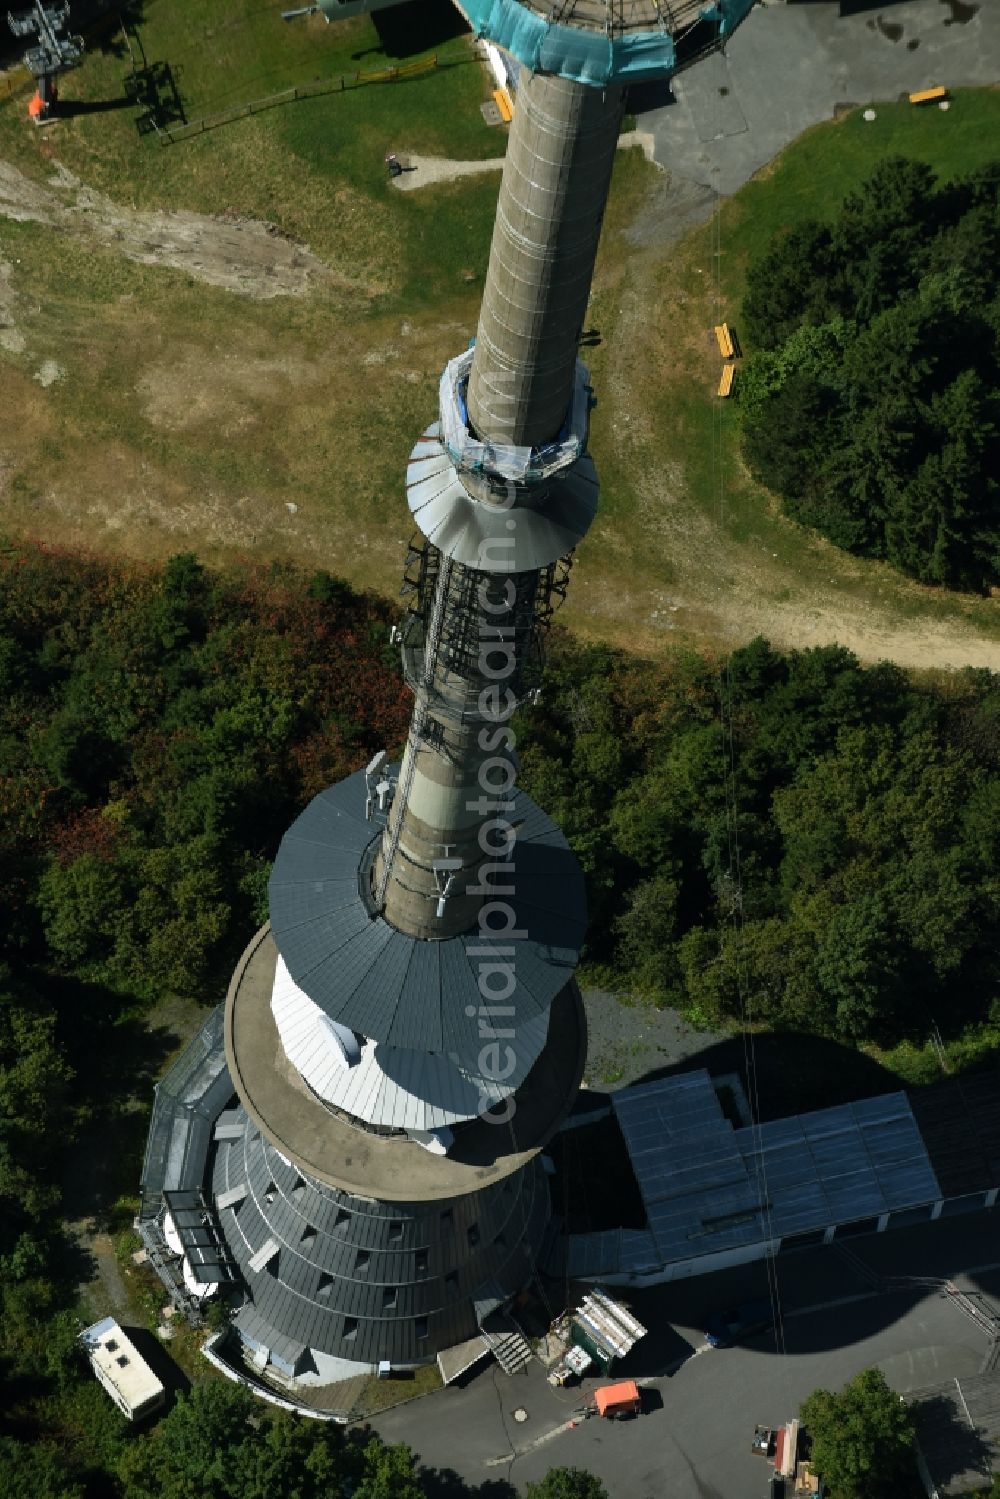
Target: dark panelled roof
(338,1256)
(707,1186)
(959,1119)
(395,988)
(188,1100)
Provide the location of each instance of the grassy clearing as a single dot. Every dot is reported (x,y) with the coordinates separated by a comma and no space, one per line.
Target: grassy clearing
(812,178)
(698,551)
(315,167)
(190,417)
(383,1394)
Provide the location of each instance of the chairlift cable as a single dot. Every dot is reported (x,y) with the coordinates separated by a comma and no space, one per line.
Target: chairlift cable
(735,888)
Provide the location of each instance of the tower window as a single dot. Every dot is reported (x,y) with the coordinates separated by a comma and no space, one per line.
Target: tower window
(362,1262)
(308,1236)
(341,1220)
(395,1231)
(271,1192)
(451,1281)
(473,1233)
(420,1262)
(325,1282)
(350,1329)
(448,1219)
(390,1296)
(420,1328)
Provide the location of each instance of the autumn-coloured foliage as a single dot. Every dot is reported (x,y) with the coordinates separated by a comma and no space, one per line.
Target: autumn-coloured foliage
(159,729)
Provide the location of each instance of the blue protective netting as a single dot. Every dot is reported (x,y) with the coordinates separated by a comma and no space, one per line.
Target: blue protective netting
(588,56)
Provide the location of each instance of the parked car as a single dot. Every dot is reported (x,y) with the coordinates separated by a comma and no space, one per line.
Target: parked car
(736,1322)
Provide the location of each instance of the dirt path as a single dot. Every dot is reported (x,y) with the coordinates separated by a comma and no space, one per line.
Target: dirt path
(692,581)
(241,255)
(421,171)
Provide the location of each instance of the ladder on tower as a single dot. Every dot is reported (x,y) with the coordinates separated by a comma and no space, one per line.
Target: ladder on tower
(402,793)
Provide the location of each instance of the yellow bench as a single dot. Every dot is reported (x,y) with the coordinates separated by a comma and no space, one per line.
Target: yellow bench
(928,95)
(725,339)
(505,104)
(726,383)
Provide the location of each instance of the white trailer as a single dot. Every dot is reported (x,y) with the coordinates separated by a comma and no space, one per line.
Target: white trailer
(121,1369)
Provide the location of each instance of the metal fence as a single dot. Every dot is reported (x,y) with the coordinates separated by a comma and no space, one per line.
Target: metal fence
(170,135)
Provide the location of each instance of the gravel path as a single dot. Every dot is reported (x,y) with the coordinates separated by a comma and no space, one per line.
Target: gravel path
(421,171)
(628,1040)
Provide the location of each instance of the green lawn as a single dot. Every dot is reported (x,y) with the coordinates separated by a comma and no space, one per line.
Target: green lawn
(316,166)
(190,417)
(680,518)
(814,175)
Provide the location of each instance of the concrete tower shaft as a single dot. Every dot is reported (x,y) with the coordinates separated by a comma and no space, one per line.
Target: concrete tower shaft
(548,225)
(457,771)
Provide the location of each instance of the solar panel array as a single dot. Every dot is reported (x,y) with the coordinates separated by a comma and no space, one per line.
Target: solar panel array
(840,1165)
(205,1250)
(708,1187)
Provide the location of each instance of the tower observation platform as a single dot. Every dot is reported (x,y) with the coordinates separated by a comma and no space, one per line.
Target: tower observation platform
(405,1033)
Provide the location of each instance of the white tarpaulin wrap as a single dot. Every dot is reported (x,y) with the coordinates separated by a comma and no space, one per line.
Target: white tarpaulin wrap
(522,465)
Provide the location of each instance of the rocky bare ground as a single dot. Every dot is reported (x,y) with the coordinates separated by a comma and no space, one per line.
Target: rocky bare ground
(246,256)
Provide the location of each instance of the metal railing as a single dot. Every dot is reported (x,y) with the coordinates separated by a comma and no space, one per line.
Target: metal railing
(171,134)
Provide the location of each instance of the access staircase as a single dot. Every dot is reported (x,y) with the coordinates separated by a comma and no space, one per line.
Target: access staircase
(509,1347)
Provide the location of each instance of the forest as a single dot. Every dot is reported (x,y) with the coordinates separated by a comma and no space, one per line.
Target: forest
(788,840)
(871,402)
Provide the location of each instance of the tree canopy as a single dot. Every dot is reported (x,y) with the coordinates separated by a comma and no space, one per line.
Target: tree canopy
(218,1442)
(791,826)
(568,1483)
(872,402)
(793,832)
(862,1439)
(158,731)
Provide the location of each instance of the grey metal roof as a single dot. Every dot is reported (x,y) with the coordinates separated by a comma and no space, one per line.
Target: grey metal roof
(548,523)
(708,1187)
(187,1102)
(381,1265)
(397,1087)
(395,988)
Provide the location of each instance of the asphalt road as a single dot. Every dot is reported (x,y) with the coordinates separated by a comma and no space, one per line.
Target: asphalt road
(693,1442)
(791,66)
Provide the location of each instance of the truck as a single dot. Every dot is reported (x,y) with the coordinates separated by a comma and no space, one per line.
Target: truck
(726,1328)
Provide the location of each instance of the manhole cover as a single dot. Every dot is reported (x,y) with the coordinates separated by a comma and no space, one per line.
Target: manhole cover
(520,1414)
